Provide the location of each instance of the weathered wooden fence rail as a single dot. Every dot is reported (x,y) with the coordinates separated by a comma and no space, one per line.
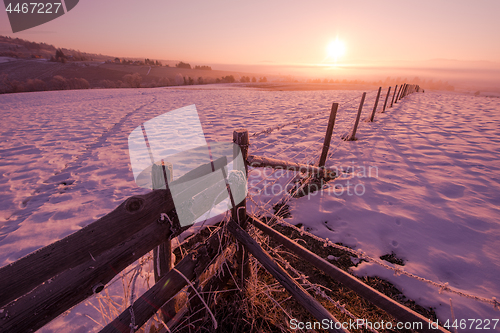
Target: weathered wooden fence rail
(133,215)
(39,287)
(378,299)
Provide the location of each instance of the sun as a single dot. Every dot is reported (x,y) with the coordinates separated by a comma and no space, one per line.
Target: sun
(335,50)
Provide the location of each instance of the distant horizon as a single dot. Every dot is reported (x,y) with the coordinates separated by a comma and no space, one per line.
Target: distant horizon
(279,32)
(399,63)
(477,74)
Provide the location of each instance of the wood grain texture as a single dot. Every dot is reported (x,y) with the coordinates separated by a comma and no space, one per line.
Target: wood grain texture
(191,266)
(47,301)
(128,218)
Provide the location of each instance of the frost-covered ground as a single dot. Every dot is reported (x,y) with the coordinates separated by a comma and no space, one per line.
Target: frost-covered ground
(432,198)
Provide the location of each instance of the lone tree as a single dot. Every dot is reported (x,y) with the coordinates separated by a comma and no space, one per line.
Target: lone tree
(183,65)
(60,56)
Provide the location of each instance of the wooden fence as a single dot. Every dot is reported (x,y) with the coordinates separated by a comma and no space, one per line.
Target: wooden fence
(39,287)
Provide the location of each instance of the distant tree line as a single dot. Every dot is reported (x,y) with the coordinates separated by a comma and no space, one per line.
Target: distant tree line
(186,65)
(146,62)
(205,68)
(225,79)
(29,45)
(56,83)
(152,62)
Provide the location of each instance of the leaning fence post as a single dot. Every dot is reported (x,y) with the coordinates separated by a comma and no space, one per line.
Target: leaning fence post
(394,95)
(376,103)
(240,138)
(328,135)
(352,137)
(397,96)
(161,175)
(403,91)
(386,98)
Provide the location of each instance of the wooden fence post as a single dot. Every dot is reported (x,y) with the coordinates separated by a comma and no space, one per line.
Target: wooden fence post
(352,137)
(240,137)
(328,135)
(161,176)
(292,286)
(386,98)
(397,96)
(403,91)
(376,104)
(394,95)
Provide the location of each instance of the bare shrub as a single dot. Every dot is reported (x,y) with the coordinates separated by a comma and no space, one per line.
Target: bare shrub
(35,85)
(58,83)
(133,80)
(123,85)
(78,83)
(108,84)
(179,79)
(163,82)
(3,83)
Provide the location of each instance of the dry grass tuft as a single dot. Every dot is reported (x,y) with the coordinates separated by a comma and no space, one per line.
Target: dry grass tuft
(262,305)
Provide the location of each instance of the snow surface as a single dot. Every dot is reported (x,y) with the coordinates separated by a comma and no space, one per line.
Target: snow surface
(433,197)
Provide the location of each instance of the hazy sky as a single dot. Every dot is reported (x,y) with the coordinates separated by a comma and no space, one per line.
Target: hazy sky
(277,32)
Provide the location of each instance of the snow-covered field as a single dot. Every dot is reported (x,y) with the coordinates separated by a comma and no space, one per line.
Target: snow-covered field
(430,192)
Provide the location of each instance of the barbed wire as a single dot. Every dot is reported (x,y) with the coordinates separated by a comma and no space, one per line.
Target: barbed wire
(319,290)
(264,208)
(269,130)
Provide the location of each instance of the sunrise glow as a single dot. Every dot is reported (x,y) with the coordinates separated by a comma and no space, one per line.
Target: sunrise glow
(335,50)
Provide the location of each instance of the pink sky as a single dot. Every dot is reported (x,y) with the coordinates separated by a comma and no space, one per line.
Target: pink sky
(277,32)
